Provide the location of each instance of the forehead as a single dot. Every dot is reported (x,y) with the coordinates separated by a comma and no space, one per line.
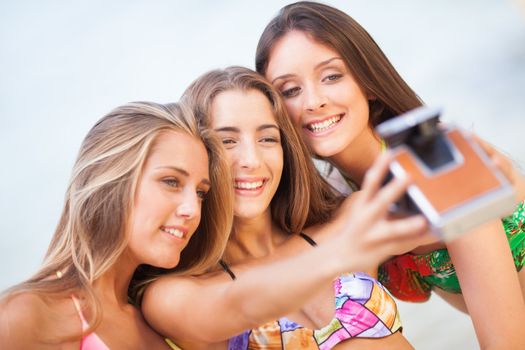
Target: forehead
(283,56)
(241,108)
(179,149)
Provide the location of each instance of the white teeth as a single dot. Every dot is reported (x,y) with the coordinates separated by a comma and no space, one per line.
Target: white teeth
(324,125)
(173,231)
(248,185)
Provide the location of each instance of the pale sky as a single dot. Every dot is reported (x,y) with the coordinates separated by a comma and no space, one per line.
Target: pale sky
(64,64)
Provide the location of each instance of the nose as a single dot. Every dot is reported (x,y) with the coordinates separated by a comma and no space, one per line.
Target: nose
(189,206)
(248,156)
(313,98)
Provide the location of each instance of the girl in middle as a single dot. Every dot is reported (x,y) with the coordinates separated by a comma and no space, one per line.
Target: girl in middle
(288,245)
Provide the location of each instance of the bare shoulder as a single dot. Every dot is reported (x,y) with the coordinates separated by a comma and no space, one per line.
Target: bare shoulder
(164,303)
(161,291)
(22,310)
(169,301)
(28,320)
(158,296)
(20,316)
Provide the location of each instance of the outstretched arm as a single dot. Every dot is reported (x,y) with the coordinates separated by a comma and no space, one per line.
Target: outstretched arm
(213,308)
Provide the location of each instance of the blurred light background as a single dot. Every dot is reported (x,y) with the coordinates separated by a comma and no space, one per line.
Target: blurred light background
(64,64)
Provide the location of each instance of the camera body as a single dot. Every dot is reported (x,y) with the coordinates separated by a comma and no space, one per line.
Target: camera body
(455,185)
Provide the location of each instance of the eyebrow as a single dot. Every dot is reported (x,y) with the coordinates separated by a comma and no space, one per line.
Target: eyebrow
(317,66)
(237,130)
(183,172)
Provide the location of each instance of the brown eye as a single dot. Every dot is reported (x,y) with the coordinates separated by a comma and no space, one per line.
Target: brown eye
(292,92)
(228,142)
(333,77)
(202,194)
(269,139)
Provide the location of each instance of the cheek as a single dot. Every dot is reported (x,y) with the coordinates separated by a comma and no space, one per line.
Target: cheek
(136,236)
(146,206)
(195,222)
(230,158)
(354,96)
(294,110)
(197,218)
(278,163)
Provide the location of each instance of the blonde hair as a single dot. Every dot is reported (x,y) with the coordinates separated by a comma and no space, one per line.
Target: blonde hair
(91,233)
(303,197)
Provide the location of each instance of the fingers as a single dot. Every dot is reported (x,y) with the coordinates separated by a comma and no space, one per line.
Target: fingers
(487,147)
(389,238)
(402,235)
(374,198)
(375,175)
(378,206)
(502,162)
(506,166)
(406,244)
(391,193)
(407,227)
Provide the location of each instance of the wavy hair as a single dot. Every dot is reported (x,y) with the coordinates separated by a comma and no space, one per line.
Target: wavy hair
(303,197)
(91,233)
(361,54)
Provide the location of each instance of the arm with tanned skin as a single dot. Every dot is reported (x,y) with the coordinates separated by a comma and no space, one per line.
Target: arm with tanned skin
(490,285)
(213,308)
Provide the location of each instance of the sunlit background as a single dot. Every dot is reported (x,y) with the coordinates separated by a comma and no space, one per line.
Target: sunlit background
(64,64)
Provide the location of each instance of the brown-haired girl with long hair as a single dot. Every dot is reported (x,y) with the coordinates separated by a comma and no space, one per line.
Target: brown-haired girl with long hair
(284,280)
(336,91)
(135,197)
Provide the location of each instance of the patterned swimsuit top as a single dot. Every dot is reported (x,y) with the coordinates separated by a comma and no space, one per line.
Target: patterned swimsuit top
(411,277)
(364,309)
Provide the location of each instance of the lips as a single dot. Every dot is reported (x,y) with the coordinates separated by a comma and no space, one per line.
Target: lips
(325,124)
(249,185)
(178,232)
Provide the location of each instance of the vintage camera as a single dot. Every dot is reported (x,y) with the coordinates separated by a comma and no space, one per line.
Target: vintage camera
(455,185)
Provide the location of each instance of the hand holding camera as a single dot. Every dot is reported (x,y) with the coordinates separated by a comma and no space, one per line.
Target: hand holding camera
(455,184)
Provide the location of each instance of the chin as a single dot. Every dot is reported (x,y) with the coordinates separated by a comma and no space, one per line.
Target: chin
(246,215)
(247,211)
(327,151)
(166,264)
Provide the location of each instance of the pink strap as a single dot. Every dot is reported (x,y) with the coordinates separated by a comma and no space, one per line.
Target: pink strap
(90,341)
(85,325)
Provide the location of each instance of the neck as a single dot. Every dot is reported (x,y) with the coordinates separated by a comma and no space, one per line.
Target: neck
(254,238)
(113,285)
(355,160)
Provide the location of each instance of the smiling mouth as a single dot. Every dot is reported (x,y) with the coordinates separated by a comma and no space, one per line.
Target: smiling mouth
(249,185)
(173,231)
(318,127)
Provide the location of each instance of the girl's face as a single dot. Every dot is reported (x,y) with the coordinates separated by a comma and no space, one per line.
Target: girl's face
(322,97)
(168,198)
(245,123)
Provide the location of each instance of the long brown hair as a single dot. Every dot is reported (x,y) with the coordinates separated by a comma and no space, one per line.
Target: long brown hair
(91,234)
(303,197)
(372,70)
